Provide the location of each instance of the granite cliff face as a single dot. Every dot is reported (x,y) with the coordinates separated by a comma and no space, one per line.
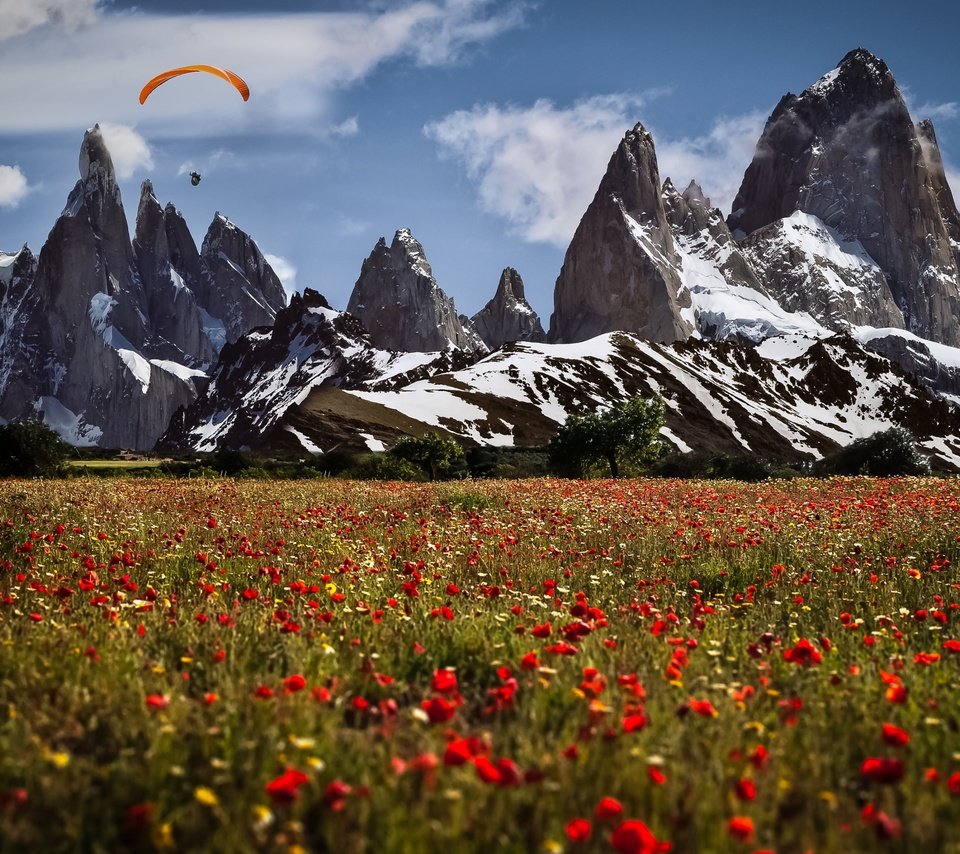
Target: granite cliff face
(243,291)
(846,153)
(103,337)
(508,316)
(620,271)
(169,286)
(400,303)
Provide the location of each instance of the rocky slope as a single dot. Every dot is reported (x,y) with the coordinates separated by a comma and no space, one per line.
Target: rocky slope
(399,301)
(264,377)
(791,397)
(508,316)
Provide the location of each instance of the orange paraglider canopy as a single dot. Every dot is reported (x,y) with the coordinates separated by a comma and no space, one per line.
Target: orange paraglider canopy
(229,76)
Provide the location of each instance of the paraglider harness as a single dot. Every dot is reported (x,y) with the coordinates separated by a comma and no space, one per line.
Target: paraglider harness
(194,178)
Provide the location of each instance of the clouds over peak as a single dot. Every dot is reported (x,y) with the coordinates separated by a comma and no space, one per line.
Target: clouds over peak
(20,16)
(129,151)
(13,186)
(538,167)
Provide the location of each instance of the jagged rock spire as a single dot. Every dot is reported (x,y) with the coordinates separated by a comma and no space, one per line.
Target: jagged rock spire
(508,316)
(400,303)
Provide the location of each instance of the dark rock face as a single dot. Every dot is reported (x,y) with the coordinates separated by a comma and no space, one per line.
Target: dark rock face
(171,304)
(400,303)
(620,270)
(79,351)
(846,151)
(243,290)
(508,316)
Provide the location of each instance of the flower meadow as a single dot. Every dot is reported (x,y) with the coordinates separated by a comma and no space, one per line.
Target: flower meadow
(543,665)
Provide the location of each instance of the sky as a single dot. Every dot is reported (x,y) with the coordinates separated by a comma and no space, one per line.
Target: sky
(484,126)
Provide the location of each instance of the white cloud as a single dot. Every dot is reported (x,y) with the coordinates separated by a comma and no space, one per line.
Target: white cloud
(13,186)
(20,16)
(128,150)
(348,127)
(286,272)
(292,62)
(348,226)
(929,110)
(213,162)
(538,167)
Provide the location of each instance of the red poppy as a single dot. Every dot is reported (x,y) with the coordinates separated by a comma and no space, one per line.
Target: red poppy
(745,789)
(284,789)
(294,683)
(804,654)
(953,783)
(439,709)
(876,769)
(894,736)
(608,809)
(335,795)
(578,830)
(741,827)
(634,837)
(444,681)
(656,776)
(157,701)
(634,721)
(703,707)
(529,661)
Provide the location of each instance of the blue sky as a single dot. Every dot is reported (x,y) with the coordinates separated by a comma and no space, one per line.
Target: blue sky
(482,125)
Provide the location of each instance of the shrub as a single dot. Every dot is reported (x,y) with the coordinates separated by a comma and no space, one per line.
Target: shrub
(383,467)
(31,450)
(884,454)
(440,457)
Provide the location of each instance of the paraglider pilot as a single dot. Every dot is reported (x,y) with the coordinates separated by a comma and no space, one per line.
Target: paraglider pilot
(194,178)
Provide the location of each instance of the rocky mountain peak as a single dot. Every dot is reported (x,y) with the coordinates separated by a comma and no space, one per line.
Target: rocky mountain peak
(846,152)
(407,249)
(510,285)
(508,316)
(95,160)
(620,271)
(695,196)
(241,288)
(400,303)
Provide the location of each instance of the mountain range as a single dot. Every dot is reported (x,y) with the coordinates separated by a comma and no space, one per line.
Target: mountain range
(824,307)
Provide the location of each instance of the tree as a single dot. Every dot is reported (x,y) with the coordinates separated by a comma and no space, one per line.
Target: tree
(437,455)
(31,450)
(625,433)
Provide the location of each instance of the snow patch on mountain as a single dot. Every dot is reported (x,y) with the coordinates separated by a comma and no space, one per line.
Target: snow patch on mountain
(72,428)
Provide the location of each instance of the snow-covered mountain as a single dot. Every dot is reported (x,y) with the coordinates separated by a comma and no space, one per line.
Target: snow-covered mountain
(823,309)
(311,350)
(767,339)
